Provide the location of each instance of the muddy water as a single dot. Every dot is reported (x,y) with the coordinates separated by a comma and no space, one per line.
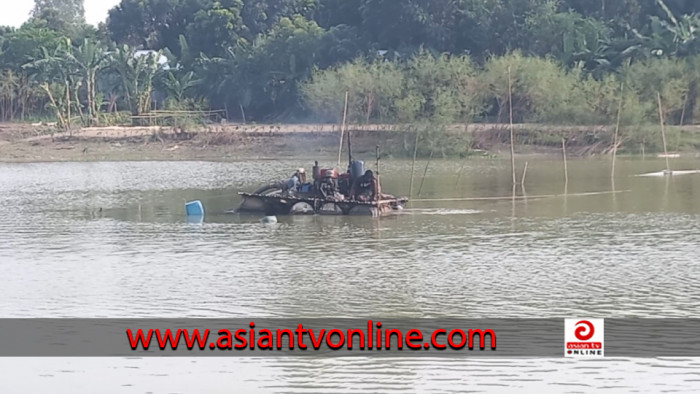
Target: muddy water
(111,240)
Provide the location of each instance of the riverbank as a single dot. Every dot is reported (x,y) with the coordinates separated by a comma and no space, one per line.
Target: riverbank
(33,143)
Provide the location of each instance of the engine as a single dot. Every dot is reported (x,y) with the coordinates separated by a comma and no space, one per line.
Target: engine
(328,183)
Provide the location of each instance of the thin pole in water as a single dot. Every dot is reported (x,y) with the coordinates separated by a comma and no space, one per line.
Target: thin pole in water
(379,183)
(413,165)
(342,128)
(425,173)
(522,181)
(663,131)
(617,130)
(512,134)
(459,175)
(566,167)
(377,154)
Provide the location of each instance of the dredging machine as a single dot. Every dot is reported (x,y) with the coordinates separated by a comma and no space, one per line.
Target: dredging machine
(354,192)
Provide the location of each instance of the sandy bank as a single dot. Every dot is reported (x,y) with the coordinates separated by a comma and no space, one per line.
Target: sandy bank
(28,143)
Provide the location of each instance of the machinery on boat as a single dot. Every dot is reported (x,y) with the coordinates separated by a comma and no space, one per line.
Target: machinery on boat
(329,192)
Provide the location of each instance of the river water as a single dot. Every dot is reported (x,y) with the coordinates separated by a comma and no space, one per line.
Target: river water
(110,239)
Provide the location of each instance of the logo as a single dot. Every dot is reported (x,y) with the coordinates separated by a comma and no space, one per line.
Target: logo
(584,337)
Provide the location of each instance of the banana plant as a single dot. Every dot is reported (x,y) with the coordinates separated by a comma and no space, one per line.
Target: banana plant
(90,59)
(58,79)
(137,70)
(178,84)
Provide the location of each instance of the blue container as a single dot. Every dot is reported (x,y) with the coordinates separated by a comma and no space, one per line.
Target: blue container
(357,169)
(305,188)
(194,208)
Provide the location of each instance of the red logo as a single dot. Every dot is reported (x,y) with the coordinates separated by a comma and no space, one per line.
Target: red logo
(584,337)
(581,330)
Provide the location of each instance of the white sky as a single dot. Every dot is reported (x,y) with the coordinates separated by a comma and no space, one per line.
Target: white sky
(16,12)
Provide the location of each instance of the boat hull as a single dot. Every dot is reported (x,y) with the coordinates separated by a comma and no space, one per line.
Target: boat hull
(299,205)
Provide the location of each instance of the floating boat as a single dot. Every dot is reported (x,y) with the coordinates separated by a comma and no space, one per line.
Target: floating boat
(329,193)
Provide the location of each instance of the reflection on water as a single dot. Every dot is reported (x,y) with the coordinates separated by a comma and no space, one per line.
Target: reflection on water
(112,240)
(226,375)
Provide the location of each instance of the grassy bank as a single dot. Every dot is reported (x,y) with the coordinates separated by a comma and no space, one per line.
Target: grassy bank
(24,142)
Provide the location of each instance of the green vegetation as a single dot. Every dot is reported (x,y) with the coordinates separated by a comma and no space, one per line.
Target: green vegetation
(407,62)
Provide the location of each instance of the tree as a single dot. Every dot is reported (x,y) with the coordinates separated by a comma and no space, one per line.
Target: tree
(60,13)
(260,17)
(25,44)
(215,29)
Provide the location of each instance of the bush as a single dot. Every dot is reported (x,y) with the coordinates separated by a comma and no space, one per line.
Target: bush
(668,77)
(541,88)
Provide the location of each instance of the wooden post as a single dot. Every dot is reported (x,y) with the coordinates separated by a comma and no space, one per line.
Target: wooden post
(512,134)
(617,130)
(413,165)
(566,167)
(342,128)
(663,131)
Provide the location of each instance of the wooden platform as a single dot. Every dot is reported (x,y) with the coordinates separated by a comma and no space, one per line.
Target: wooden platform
(300,204)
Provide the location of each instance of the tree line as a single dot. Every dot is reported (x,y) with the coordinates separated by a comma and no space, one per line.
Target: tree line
(569,61)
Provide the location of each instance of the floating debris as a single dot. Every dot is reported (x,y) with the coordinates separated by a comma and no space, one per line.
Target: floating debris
(269,220)
(670,173)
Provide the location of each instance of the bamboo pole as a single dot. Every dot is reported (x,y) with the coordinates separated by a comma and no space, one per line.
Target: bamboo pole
(512,205)
(342,128)
(425,172)
(663,131)
(566,166)
(459,175)
(685,104)
(522,181)
(379,182)
(68,125)
(512,134)
(617,130)
(413,165)
(377,155)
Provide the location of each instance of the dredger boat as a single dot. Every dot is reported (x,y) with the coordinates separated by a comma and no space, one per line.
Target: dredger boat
(329,193)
